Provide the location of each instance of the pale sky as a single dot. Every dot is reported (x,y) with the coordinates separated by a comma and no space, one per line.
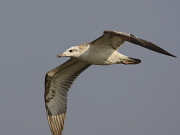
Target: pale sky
(138,99)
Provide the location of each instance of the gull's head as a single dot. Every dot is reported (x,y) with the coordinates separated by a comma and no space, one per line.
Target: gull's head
(71,52)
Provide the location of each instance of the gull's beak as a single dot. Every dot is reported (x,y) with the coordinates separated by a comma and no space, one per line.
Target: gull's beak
(60,55)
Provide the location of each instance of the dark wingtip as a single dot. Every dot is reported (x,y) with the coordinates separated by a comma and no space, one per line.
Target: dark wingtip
(135,40)
(170,54)
(153,47)
(166,53)
(174,56)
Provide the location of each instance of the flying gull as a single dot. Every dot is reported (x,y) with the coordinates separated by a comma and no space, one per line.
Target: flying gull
(102,51)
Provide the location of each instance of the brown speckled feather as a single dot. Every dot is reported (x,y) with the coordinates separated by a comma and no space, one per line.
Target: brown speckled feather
(57,84)
(113,39)
(135,40)
(102,51)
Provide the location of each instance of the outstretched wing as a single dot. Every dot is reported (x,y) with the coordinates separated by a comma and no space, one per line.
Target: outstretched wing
(57,84)
(114,39)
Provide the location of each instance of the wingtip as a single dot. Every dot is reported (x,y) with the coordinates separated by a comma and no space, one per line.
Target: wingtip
(174,56)
(171,55)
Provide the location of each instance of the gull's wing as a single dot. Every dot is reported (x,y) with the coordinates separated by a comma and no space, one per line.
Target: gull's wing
(57,84)
(109,41)
(113,39)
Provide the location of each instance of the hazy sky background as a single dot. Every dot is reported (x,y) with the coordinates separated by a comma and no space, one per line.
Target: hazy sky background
(141,99)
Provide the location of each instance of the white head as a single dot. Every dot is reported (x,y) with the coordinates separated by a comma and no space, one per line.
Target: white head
(71,52)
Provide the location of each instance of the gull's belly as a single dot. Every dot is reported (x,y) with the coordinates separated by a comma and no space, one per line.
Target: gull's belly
(100,56)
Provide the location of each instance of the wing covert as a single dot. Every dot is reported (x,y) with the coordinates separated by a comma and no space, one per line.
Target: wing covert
(108,41)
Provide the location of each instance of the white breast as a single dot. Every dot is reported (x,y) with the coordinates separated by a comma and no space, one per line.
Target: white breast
(100,56)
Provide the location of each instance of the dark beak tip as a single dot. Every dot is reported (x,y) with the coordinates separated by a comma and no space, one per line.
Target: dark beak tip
(58,56)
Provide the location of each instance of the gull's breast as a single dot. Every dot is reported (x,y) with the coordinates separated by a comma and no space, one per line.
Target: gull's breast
(99,56)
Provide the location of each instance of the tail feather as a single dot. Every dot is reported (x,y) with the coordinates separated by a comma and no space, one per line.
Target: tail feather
(130,61)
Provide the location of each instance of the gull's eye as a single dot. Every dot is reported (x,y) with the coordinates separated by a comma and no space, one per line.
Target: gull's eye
(71,50)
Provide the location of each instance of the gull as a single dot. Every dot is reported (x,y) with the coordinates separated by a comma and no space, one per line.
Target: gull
(102,51)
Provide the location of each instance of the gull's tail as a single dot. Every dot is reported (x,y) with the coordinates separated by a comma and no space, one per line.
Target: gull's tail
(130,61)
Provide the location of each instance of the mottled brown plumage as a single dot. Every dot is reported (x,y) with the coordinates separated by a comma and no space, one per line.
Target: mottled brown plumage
(102,51)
